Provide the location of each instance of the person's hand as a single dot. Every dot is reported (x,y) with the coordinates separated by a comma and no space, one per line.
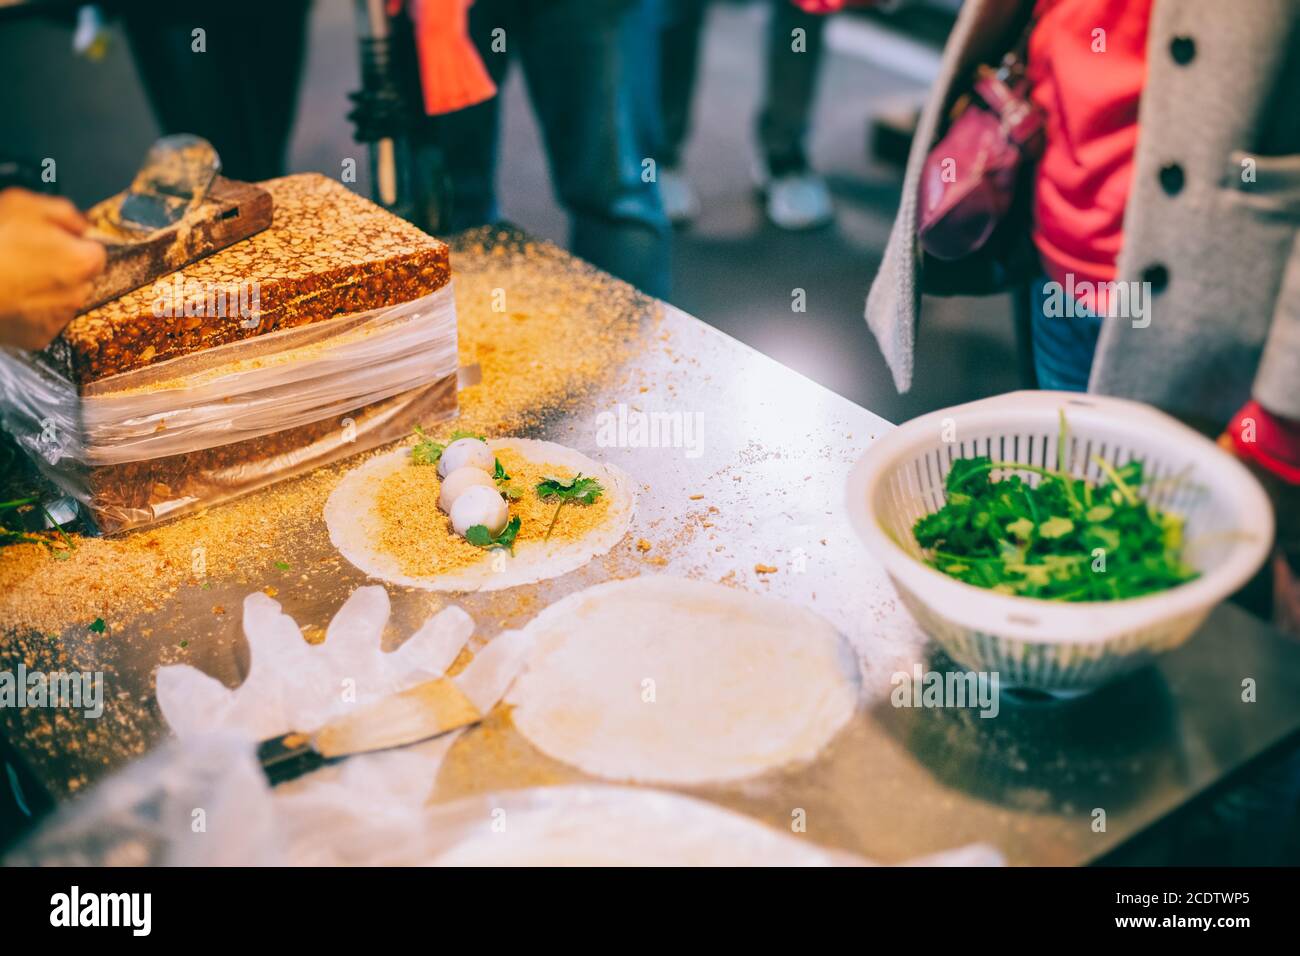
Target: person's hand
(46,267)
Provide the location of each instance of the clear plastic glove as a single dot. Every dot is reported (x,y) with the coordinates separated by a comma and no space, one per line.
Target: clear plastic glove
(46,268)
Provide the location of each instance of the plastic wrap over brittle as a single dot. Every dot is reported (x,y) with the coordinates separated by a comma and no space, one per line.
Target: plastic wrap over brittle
(164,440)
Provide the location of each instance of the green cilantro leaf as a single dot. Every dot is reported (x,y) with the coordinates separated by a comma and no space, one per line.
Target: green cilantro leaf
(1044,533)
(426,451)
(579,489)
(481,537)
(503,481)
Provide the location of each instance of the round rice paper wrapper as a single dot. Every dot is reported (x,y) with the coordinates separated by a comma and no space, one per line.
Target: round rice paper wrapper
(595,825)
(666,680)
(353,525)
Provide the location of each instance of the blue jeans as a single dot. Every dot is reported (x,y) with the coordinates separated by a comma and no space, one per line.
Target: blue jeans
(1063,343)
(591,71)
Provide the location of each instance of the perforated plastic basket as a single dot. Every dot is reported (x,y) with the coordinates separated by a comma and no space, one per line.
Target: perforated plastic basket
(1048,645)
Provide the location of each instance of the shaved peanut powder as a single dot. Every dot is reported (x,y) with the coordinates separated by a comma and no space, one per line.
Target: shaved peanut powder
(546,331)
(420,536)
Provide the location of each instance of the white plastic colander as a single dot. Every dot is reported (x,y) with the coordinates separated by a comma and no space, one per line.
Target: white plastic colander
(1060,647)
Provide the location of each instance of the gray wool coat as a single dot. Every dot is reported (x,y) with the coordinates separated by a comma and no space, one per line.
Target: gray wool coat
(1222,96)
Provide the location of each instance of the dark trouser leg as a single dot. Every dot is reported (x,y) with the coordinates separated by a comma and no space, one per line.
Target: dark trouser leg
(585,62)
(679,67)
(462,146)
(793,59)
(241,93)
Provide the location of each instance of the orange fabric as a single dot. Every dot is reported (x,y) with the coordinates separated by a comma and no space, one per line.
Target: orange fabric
(452,76)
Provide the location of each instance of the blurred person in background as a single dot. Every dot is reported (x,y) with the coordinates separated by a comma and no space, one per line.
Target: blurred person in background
(46,267)
(794,196)
(228,72)
(591,71)
(1171,165)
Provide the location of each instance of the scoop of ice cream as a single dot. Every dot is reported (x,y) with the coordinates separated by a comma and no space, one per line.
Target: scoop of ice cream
(458,481)
(465,453)
(479,505)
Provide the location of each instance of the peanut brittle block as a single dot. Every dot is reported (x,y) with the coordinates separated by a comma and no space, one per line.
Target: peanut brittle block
(374,352)
(328,252)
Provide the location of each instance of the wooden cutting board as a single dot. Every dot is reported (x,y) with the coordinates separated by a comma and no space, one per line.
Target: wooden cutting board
(231,211)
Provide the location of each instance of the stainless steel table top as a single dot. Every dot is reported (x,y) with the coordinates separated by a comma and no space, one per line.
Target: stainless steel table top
(757,479)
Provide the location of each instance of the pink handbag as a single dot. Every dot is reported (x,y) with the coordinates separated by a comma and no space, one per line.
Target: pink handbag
(969,177)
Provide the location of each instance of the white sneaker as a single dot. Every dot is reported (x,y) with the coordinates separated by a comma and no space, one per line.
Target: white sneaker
(799,201)
(680,203)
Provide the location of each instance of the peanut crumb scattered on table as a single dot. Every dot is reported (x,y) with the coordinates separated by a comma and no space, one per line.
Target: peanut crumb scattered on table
(571,329)
(412,530)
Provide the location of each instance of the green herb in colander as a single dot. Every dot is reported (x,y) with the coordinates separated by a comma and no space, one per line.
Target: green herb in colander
(1060,539)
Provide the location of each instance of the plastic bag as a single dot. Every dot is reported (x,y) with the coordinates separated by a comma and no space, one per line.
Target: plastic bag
(202,800)
(193,431)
